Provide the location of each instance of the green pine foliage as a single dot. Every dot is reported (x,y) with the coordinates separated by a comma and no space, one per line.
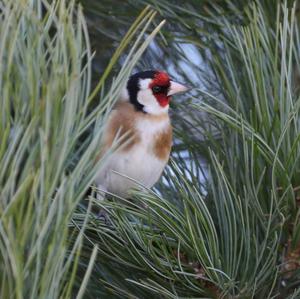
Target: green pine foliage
(223,222)
(49,141)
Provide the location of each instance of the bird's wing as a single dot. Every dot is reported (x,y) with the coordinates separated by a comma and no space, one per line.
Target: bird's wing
(119,129)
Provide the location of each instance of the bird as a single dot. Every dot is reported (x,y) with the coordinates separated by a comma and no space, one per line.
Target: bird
(141,120)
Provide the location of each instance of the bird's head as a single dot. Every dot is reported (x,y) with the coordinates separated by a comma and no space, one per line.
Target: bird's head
(151,91)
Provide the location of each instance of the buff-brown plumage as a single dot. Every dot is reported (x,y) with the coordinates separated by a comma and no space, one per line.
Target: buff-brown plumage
(122,125)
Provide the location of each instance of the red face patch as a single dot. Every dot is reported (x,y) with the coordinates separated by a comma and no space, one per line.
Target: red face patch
(160,87)
(161,78)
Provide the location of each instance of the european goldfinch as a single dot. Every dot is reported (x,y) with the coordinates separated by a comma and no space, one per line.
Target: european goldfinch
(141,117)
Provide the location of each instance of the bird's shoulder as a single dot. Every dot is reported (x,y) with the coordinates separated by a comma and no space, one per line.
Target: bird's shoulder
(121,124)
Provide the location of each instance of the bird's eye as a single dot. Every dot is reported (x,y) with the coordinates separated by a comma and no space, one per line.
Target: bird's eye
(156,89)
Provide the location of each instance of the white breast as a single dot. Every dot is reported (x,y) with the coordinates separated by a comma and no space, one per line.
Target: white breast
(139,163)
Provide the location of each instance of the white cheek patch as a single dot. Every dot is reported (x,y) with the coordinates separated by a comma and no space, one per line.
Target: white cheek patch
(144,83)
(148,100)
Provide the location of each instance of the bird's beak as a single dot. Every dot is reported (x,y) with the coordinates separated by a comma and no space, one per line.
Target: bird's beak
(176,88)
